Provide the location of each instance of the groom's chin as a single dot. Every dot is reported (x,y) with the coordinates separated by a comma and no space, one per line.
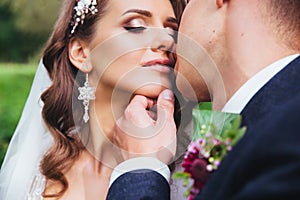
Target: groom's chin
(195,94)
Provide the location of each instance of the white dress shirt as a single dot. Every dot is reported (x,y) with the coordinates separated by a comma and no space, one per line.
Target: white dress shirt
(235,105)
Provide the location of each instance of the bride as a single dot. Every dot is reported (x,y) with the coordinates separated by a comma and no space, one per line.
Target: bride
(101,53)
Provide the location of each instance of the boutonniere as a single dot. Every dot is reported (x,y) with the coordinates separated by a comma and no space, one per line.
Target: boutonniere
(215,133)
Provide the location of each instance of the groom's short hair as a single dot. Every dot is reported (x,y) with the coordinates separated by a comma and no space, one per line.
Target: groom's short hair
(285,20)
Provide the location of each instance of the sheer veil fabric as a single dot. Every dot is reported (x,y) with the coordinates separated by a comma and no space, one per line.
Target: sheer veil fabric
(30,141)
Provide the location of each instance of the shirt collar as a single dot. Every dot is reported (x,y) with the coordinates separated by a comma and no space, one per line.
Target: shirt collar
(244,94)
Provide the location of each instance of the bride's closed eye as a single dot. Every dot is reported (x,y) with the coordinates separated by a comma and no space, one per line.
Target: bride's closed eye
(171,27)
(172,32)
(135,25)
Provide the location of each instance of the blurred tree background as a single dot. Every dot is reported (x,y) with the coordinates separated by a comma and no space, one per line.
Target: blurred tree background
(25,26)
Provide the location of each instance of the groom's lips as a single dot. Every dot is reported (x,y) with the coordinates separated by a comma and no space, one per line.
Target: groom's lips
(161,65)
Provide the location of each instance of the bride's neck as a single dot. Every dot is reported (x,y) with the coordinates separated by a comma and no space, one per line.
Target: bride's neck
(108,107)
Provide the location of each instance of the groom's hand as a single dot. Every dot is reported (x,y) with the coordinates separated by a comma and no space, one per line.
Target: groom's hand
(147,128)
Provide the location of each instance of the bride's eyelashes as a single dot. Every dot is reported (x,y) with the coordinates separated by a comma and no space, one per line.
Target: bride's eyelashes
(135,25)
(135,29)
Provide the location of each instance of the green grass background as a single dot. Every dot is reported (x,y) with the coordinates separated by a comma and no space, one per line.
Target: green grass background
(15,83)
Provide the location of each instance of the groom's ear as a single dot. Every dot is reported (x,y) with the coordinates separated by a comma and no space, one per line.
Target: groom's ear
(79,55)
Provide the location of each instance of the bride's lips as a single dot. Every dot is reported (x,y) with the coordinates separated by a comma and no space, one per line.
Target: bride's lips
(161,65)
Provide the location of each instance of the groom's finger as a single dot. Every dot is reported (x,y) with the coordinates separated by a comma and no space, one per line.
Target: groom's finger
(165,106)
(137,111)
(165,126)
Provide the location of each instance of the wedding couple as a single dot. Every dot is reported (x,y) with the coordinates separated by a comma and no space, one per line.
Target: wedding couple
(241,55)
(255,45)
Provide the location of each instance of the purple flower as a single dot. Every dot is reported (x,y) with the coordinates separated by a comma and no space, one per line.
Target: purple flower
(198,170)
(204,155)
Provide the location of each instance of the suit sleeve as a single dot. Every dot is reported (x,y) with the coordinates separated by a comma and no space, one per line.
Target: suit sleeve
(141,184)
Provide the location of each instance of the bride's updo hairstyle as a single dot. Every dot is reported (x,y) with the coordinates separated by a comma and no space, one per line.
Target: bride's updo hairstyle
(58,110)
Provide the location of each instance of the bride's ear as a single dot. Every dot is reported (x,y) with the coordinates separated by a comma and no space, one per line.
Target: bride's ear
(79,55)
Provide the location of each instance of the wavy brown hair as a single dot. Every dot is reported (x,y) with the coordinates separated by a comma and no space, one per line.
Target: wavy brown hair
(58,111)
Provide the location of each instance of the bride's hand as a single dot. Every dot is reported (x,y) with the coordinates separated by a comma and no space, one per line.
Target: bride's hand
(147,128)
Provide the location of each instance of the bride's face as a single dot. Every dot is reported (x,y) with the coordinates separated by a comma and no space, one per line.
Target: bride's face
(133,47)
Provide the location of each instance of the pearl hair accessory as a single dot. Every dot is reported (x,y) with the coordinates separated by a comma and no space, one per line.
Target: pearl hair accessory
(82,8)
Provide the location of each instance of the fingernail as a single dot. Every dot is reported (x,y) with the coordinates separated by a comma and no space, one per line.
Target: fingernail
(168,95)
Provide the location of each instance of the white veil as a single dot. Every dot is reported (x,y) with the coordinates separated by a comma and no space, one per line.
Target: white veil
(30,141)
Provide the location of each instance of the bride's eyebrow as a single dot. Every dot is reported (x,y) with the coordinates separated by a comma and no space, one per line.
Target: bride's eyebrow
(138,11)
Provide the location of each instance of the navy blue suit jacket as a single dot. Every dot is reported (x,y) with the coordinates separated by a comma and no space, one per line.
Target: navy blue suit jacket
(265,164)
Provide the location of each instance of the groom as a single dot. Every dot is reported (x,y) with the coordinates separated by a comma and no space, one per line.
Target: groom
(255,46)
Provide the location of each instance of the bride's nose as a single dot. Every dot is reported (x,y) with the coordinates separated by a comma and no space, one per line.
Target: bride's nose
(163,40)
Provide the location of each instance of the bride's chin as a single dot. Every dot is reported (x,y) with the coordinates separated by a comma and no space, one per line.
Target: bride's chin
(150,91)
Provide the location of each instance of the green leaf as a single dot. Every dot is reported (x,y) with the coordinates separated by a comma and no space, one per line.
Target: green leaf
(187,192)
(218,123)
(239,134)
(181,175)
(205,106)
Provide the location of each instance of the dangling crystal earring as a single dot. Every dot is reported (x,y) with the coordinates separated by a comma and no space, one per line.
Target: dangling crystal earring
(87,93)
